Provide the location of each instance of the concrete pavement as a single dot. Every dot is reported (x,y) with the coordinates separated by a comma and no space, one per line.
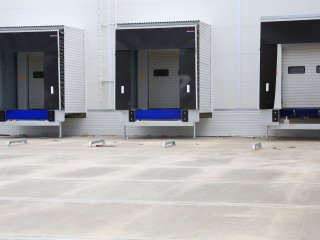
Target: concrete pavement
(210,188)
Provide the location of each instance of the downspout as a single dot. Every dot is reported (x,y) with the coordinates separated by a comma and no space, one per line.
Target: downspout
(106,25)
(238,51)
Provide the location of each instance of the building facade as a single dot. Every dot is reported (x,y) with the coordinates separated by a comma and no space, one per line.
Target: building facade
(235,57)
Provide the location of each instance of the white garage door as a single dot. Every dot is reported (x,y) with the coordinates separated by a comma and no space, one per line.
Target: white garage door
(164,89)
(301,76)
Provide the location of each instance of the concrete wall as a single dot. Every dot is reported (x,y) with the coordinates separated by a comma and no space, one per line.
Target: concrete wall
(235,53)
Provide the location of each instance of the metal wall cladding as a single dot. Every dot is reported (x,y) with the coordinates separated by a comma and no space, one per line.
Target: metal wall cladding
(74,68)
(97,122)
(204,64)
(301,90)
(223,123)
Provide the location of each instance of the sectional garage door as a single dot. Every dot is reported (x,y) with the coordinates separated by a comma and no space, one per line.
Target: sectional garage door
(164,87)
(301,76)
(36,83)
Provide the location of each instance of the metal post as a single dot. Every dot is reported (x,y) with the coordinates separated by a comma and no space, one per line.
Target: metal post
(60,130)
(267,132)
(124,131)
(194,130)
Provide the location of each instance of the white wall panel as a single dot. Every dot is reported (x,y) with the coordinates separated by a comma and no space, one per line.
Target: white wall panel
(74,71)
(250,67)
(253,9)
(223,40)
(224,72)
(249,92)
(223,68)
(93,101)
(249,87)
(225,95)
(166,10)
(250,39)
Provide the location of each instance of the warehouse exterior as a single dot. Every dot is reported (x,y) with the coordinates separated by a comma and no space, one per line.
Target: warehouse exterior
(235,57)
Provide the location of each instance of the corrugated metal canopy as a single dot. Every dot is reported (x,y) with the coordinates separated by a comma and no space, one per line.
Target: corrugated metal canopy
(155,24)
(30,28)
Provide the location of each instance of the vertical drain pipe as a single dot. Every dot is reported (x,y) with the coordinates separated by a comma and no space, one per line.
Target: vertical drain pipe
(239,46)
(106,28)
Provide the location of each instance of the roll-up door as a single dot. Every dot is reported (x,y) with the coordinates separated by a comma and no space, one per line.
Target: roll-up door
(301,76)
(164,89)
(36,81)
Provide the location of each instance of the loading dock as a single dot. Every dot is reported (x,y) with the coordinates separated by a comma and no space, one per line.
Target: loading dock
(290,73)
(41,75)
(163,73)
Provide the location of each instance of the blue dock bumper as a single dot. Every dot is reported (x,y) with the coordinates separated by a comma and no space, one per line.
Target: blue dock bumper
(159,114)
(300,113)
(31,115)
